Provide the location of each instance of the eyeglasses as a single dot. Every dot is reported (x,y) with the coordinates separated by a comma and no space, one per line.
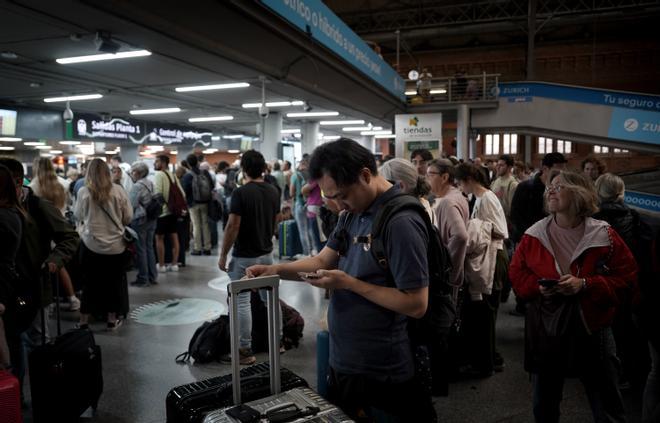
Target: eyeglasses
(428,172)
(553,188)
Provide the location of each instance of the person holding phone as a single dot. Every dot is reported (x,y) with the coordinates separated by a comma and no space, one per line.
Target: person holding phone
(569,257)
(371,361)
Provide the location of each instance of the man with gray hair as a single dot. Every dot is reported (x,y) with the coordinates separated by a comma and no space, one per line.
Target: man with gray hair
(141,195)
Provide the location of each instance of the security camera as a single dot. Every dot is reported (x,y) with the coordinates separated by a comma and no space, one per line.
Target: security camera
(263,111)
(67,115)
(306,107)
(105,43)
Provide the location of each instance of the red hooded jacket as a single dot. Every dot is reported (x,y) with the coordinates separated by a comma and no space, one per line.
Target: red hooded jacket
(601,257)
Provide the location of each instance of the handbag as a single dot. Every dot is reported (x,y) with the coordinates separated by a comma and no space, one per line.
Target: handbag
(556,336)
(129,236)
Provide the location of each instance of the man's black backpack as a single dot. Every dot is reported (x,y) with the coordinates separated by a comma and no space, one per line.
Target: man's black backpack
(209,342)
(441,311)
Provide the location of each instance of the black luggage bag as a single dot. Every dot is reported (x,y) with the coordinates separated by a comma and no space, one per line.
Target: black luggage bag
(66,376)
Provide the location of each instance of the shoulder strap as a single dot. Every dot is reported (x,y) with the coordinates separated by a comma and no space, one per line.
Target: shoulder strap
(121,228)
(391,207)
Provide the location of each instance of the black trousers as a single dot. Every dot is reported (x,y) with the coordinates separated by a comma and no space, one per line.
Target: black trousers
(369,400)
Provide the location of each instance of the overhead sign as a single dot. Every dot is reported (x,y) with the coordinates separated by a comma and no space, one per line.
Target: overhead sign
(90,127)
(635,125)
(419,131)
(317,20)
(7,122)
(581,95)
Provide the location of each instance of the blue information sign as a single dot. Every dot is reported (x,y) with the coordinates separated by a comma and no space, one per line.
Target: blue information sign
(317,20)
(635,125)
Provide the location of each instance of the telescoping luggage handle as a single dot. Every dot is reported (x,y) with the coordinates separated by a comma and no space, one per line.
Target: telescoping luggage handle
(271,284)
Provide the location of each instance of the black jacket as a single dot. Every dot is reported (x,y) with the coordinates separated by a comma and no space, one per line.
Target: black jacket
(527,206)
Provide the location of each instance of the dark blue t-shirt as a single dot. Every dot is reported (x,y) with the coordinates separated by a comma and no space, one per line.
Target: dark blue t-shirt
(365,338)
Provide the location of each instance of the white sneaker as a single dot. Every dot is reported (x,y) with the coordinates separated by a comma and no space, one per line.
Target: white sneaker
(162,269)
(173,268)
(74,304)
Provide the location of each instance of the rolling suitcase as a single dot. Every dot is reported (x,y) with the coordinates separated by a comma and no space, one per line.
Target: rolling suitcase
(189,403)
(298,404)
(66,376)
(10,398)
(289,239)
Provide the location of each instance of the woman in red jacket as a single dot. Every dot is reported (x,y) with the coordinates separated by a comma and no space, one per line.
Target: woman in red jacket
(570,260)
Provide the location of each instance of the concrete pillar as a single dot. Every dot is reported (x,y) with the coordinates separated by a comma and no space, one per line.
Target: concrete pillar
(271,136)
(129,153)
(473,147)
(309,139)
(528,148)
(462,127)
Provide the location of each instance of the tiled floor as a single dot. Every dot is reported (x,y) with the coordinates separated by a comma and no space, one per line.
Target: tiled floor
(139,367)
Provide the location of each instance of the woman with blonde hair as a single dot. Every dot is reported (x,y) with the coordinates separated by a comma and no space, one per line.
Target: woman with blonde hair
(571,269)
(104,210)
(48,186)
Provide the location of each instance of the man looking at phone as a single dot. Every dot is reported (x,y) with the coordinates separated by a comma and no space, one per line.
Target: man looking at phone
(250,227)
(371,362)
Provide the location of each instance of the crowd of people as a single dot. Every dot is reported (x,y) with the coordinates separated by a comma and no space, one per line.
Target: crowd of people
(562,241)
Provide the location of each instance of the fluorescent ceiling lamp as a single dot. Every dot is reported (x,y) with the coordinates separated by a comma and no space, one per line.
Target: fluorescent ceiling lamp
(331,137)
(5,148)
(391,136)
(108,152)
(32,143)
(441,91)
(43,147)
(215,138)
(73,98)
(312,114)
(69,142)
(273,104)
(361,128)
(155,147)
(341,122)
(233,151)
(297,135)
(212,87)
(232,137)
(211,119)
(209,151)
(174,152)
(55,151)
(376,133)
(291,131)
(10,139)
(155,111)
(105,56)
(411,92)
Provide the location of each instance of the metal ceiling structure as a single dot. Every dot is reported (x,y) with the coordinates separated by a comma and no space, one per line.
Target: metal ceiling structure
(204,42)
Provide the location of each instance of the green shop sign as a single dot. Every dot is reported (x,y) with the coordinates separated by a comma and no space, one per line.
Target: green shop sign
(426,145)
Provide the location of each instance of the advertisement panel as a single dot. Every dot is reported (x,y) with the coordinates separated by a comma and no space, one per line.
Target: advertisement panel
(7,122)
(635,125)
(418,131)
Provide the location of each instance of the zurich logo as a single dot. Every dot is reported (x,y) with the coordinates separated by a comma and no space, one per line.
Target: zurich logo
(631,125)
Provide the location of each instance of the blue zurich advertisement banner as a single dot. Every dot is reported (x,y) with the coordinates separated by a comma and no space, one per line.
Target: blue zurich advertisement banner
(635,125)
(316,19)
(581,95)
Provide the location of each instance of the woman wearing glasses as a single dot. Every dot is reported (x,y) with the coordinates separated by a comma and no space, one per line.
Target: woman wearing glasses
(573,269)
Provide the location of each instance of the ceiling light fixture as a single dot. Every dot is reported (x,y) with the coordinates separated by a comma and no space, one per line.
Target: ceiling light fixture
(5,148)
(440,91)
(215,138)
(341,122)
(11,139)
(376,133)
(43,147)
(411,92)
(33,143)
(291,131)
(212,87)
(155,111)
(273,104)
(211,119)
(233,151)
(312,114)
(55,151)
(331,137)
(106,56)
(232,137)
(390,136)
(70,142)
(73,98)
(361,128)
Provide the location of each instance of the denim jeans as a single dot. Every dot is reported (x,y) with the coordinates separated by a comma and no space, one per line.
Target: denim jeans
(651,403)
(146,257)
(314,233)
(300,215)
(600,379)
(236,271)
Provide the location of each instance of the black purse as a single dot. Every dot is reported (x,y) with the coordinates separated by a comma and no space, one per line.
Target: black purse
(556,336)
